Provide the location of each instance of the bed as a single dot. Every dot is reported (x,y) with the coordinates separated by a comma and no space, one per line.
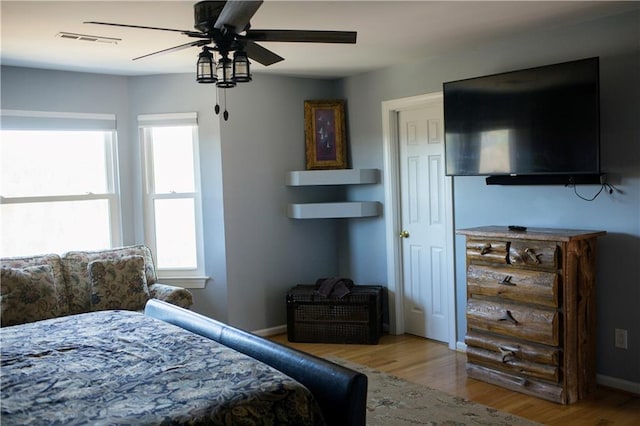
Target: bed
(167,366)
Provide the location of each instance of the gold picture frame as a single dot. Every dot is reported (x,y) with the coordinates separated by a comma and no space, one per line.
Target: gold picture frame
(325,135)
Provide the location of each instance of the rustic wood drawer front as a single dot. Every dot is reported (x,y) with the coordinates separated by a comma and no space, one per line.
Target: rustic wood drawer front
(532,360)
(510,349)
(538,388)
(520,285)
(488,250)
(534,254)
(513,365)
(509,319)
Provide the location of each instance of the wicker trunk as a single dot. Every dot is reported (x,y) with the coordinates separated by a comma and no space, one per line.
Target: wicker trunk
(314,318)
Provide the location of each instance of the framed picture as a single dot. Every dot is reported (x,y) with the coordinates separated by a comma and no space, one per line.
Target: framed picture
(325,135)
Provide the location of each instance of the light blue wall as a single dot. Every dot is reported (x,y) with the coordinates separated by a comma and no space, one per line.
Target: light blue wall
(267,252)
(615,41)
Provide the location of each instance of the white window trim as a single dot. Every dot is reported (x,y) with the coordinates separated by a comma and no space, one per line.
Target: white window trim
(187,278)
(13,119)
(184,282)
(27,120)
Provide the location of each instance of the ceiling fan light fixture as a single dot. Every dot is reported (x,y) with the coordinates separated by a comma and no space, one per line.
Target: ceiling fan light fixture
(206,67)
(225,73)
(241,69)
(224,27)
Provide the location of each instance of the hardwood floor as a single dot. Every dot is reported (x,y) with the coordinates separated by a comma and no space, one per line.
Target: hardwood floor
(432,364)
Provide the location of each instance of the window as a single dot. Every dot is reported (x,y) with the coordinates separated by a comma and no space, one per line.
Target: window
(173,206)
(58,183)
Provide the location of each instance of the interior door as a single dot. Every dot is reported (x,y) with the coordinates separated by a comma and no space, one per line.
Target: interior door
(423,233)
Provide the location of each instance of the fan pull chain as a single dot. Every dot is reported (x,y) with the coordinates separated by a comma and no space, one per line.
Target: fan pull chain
(225,114)
(217,107)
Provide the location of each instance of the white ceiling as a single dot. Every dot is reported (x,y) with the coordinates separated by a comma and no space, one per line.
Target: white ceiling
(389,32)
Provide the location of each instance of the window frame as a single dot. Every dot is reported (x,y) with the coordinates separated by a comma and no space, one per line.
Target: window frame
(184,277)
(43,121)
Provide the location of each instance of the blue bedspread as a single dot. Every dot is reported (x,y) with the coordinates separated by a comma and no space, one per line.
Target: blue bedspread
(120,367)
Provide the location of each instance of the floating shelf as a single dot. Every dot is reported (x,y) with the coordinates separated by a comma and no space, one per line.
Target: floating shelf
(333,177)
(334,210)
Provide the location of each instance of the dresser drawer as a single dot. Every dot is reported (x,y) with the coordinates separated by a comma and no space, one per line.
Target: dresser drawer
(510,349)
(521,285)
(538,388)
(513,365)
(542,255)
(534,324)
(534,254)
(487,250)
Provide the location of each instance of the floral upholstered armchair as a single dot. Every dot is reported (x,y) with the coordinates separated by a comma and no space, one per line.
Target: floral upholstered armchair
(47,286)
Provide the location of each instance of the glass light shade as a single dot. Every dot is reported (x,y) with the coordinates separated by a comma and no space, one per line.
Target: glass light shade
(206,67)
(225,73)
(241,72)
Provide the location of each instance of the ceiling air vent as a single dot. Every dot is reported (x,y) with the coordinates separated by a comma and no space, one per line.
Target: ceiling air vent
(86,37)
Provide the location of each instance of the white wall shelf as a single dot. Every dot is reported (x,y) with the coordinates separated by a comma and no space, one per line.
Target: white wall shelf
(333,177)
(334,210)
(346,209)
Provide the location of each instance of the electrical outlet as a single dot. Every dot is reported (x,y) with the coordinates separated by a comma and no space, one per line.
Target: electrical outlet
(621,338)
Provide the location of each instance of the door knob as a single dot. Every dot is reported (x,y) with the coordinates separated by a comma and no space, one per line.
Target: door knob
(404,234)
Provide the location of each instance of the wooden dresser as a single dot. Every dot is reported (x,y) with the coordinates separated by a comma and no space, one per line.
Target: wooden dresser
(531,310)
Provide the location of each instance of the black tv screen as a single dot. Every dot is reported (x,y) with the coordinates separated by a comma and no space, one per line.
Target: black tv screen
(536,121)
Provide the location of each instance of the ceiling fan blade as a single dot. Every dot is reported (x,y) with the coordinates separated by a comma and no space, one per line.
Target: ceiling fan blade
(189,33)
(176,48)
(261,54)
(303,36)
(237,14)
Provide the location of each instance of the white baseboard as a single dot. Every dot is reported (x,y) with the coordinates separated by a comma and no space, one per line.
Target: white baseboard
(461,347)
(620,384)
(273,331)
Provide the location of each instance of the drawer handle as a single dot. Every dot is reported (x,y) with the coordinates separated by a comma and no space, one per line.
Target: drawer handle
(507,353)
(485,249)
(535,258)
(506,281)
(508,317)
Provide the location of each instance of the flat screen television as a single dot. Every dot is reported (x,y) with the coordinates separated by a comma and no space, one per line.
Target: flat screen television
(535,122)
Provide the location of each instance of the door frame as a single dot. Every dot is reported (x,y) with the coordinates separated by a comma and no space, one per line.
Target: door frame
(392,214)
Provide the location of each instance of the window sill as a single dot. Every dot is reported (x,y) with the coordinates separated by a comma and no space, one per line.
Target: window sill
(185,282)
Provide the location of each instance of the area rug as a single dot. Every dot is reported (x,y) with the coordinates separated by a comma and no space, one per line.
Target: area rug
(392,401)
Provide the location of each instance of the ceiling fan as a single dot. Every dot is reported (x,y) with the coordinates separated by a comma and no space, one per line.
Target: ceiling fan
(224,27)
